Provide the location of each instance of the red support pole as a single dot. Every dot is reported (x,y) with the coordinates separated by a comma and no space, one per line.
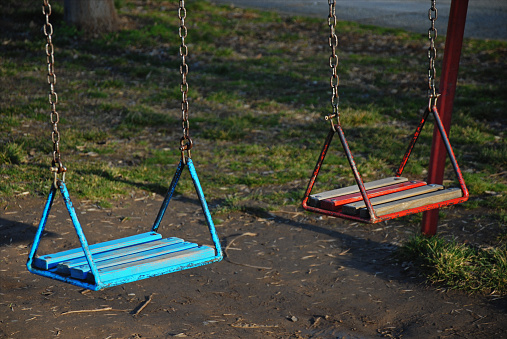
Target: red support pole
(450,66)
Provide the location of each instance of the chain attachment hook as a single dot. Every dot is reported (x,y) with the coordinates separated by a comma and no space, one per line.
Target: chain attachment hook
(330,118)
(58,168)
(432,102)
(186,145)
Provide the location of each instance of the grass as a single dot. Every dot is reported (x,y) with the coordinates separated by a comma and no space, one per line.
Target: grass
(12,154)
(457,265)
(259,89)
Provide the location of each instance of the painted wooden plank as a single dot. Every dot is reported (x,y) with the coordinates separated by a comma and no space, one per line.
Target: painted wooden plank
(170,261)
(315,199)
(81,272)
(354,208)
(51,260)
(64,267)
(334,203)
(414,202)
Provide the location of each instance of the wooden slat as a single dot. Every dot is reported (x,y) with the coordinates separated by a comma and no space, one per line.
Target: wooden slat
(168,262)
(315,199)
(64,267)
(335,203)
(354,208)
(51,260)
(414,202)
(118,258)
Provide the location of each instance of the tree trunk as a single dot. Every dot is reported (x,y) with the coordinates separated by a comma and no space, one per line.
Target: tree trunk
(91,16)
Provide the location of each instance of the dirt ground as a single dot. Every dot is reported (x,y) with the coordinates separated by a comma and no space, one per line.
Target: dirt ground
(287,274)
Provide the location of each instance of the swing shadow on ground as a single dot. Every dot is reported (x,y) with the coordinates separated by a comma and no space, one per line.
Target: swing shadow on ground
(14,232)
(377,259)
(358,247)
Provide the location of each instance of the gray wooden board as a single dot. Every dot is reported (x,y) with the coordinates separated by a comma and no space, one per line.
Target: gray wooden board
(51,260)
(353,208)
(414,202)
(316,198)
(169,262)
(65,266)
(125,258)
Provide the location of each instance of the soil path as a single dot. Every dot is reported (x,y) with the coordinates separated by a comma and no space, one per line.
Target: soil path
(287,274)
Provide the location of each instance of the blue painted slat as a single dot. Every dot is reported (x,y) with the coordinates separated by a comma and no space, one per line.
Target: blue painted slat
(123,257)
(51,260)
(64,267)
(150,267)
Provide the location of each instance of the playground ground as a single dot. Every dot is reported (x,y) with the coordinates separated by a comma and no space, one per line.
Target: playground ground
(286,274)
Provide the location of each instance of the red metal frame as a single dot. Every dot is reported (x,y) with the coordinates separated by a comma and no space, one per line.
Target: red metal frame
(366,198)
(450,67)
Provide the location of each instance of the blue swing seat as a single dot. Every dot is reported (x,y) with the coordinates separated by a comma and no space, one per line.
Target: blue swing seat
(123,260)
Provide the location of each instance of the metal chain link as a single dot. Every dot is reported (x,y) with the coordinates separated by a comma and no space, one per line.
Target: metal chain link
(432,55)
(56,164)
(185,141)
(333,63)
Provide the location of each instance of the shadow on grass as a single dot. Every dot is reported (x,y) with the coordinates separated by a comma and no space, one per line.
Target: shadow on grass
(151,187)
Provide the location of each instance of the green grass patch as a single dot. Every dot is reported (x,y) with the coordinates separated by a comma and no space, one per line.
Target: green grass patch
(143,116)
(12,153)
(456,265)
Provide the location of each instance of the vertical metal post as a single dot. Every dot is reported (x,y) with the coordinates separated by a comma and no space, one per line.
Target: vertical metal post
(450,66)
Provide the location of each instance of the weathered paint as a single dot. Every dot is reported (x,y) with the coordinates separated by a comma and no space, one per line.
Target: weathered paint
(334,203)
(412,143)
(64,267)
(124,257)
(51,260)
(316,198)
(353,208)
(316,170)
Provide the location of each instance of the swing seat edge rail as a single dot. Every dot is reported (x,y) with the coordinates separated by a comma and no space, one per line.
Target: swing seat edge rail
(384,217)
(122,279)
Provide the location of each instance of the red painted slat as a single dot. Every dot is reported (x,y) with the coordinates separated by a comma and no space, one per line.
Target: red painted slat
(334,204)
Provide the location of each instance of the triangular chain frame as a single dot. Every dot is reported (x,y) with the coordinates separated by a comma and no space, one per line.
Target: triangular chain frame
(337,129)
(85,246)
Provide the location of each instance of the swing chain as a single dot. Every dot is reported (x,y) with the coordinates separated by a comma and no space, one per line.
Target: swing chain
(57,166)
(333,63)
(432,55)
(185,141)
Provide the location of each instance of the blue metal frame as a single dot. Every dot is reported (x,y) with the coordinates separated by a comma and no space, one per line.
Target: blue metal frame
(98,283)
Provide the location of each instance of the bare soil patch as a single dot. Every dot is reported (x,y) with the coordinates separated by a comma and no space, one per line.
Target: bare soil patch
(287,274)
